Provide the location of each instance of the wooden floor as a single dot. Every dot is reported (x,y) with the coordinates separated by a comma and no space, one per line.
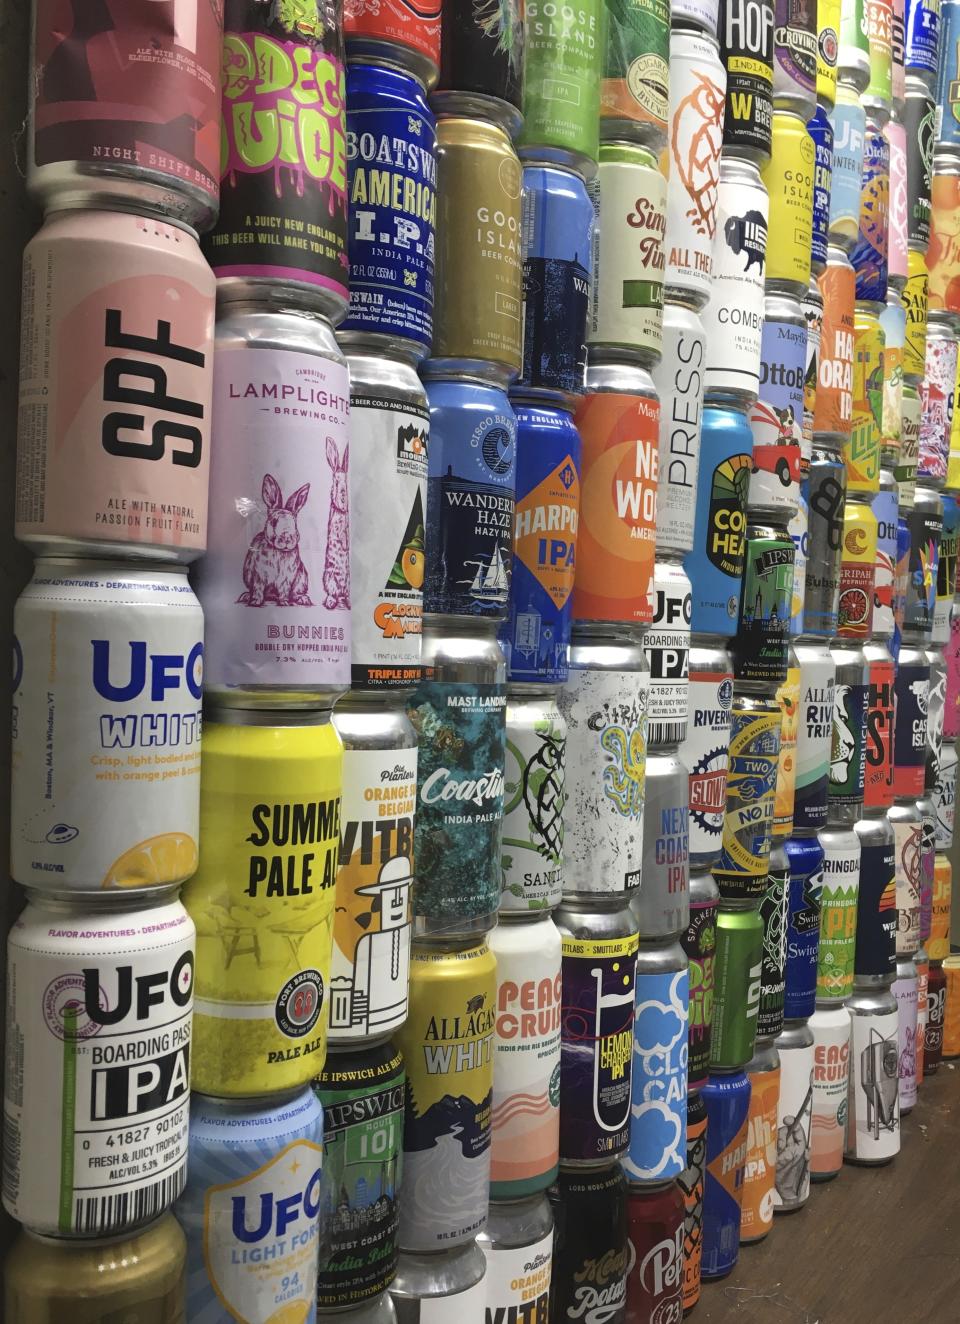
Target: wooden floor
(873,1246)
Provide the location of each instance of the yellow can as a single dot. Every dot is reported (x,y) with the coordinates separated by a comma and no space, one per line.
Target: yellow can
(858,559)
(828,43)
(915,301)
(262,899)
(938,944)
(951,1009)
(788,697)
(861,450)
(788,177)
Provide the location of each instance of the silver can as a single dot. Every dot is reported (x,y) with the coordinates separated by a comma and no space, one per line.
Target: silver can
(873,1100)
(380,1310)
(658,1111)
(518,1246)
(733,319)
(818,673)
(945,795)
(825,488)
(695,14)
(666,642)
(813,313)
(678,378)
(776,417)
(928,856)
(661,907)
(830,1027)
(885,507)
(907,823)
(905,990)
(791,1188)
(936,699)
(705,752)
(799,531)
(848,753)
(605,706)
(431,1289)
(534,798)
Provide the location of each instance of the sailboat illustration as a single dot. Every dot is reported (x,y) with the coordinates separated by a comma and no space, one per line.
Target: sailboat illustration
(613,1016)
(491,579)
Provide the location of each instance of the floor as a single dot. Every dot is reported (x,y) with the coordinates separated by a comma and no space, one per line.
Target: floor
(873,1246)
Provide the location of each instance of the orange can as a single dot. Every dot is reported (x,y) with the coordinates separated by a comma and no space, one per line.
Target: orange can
(759,1174)
(833,413)
(951,1011)
(943,255)
(938,944)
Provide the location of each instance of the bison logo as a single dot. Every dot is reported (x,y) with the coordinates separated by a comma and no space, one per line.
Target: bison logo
(747,234)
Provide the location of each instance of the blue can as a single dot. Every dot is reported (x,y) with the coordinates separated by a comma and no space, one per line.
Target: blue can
(803,927)
(885,507)
(821,131)
(947,121)
(848,119)
(658,1100)
(715,564)
(921,40)
(392,174)
(471,482)
(869,253)
(558,219)
(536,635)
(901,572)
(727,1101)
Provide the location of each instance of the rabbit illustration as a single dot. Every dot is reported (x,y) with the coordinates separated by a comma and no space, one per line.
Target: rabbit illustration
(273,570)
(336,564)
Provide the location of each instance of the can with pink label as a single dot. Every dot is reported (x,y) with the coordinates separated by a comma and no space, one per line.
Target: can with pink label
(116,355)
(936,403)
(896,136)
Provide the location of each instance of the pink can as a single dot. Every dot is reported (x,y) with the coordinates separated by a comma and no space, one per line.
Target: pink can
(936,403)
(951,707)
(116,372)
(896,136)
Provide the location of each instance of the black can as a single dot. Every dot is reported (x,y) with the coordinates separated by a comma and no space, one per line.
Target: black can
(918,122)
(925,526)
(699,942)
(590,1248)
(761,646)
(875,954)
(824,490)
(745,30)
(481,61)
(774,906)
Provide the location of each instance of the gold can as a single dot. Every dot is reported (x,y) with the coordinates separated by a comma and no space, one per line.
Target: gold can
(788,697)
(828,44)
(861,450)
(788,177)
(951,1009)
(858,559)
(915,302)
(938,944)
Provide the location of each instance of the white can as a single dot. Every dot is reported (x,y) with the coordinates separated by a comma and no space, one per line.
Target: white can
(108,671)
(830,1027)
(705,752)
(97,1088)
(945,794)
(798,529)
(794,1117)
(667,644)
(531,854)
(678,378)
(873,1098)
(695,13)
(905,989)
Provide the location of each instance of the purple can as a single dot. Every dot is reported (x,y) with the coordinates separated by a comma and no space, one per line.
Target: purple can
(821,131)
(869,252)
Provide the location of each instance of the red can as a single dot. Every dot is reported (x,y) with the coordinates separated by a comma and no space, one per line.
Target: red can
(691,1183)
(936,1006)
(878,775)
(655,1226)
(405,31)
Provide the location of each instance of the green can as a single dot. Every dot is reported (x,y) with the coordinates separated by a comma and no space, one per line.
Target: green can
(761,647)
(635,93)
(838,913)
(562,71)
(854,54)
(737,977)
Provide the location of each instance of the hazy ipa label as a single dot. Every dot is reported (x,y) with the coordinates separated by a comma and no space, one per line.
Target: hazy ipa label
(838,916)
(756,1218)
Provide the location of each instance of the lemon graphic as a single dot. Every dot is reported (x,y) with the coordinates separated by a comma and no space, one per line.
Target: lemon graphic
(170,857)
(412,563)
(294,1312)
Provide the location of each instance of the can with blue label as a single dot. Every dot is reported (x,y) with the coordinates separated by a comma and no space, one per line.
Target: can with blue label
(869,252)
(885,508)
(470,499)
(803,926)
(825,490)
(921,39)
(557,264)
(727,1100)
(658,1107)
(814,736)
(741,870)
(392,173)
(848,119)
(925,527)
(715,565)
(776,417)
(798,529)
(947,95)
(536,634)
(848,753)
(821,131)
(761,645)
(901,576)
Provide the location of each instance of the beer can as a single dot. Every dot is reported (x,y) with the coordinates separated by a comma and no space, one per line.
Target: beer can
(667,645)
(828,46)
(706,750)
(878,782)
(936,403)
(733,319)
(535,636)
(848,119)
(886,511)
(830,1027)
(946,92)
(875,947)
(805,856)
(599,962)
(700,944)
(824,489)
(873,1104)
(879,22)
(116,375)
(899,80)
(534,799)
(661,906)
(690,163)
(619,424)
(751,786)
(833,412)
(922,33)
(821,131)
(905,469)
(121,969)
(893,321)
(395,32)
(726,1097)
(943,294)
(361,1089)
(459,715)
(776,417)
(798,529)
(945,796)
(904,989)
(907,824)
(697,14)
(946,571)
(922,962)
(915,337)
(813,315)
(760,648)
(106,731)
(736,988)
(938,944)
(814,735)
(951,1005)
(635,88)
(849,746)
(691,1182)
(953,458)
(925,526)
(655,1229)
(774,905)
(838,913)
(518,1246)
(590,1230)
(869,252)
(795,56)
(935,706)
(919,111)
(557,269)
(562,52)
(933,1039)
(756,1210)
(746,33)
(861,449)
(479,261)
(911,696)
(854,58)
(428,1286)
(788,698)
(896,137)
(794,1047)
(525,1118)
(715,563)
(951,707)
(789,179)
(657,1149)
(480,77)
(857,561)
(928,846)
(678,379)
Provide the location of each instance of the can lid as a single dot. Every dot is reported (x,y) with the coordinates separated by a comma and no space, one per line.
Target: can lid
(304,712)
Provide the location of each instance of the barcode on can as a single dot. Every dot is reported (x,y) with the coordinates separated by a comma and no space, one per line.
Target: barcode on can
(93,1215)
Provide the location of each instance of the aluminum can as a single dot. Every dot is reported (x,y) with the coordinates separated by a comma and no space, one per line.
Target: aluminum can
(737,983)
(942,254)
(813,315)
(697,14)
(919,121)
(362,1092)
(878,782)
(715,564)
(905,470)
(875,948)
(116,344)
(691,163)
(907,824)
(821,131)
(619,424)
(857,561)
(480,77)
(776,417)
(667,645)
(928,816)
(605,708)
(945,796)
(751,787)
(806,858)
(557,268)
(518,1246)
(893,320)
(951,1005)
(886,510)
(833,413)
(691,1182)
(824,489)
(911,696)
(396,33)
(925,525)
(657,1149)
(479,262)
(947,123)
(596,1031)
(848,753)
(951,707)
(904,989)
(122,970)
(706,750)
(873,1105)
(263,898)
(899,70)
(896,138)
(102,133)
(536,634)
(789,179)
(655,1228)
(933,1039)
(848,119)
(814,736)
(915,337)
(591,1251)
(635,89)
(471,495)
(938,944)
(428,1286)
(760,648)
(795,1050)
(459,715)
(774,907)
(447,1044)
(922,962)
(861,450)
(88,1281)
(830,1027)
(733,319)
(280,519)
(700,944)
(922,33)
(936,403)
(795,56)
(869,252)
(838,913)
(746,33)
(946,570)
(526,1058)
(563,53)
(828,45)
(788,697)
(661,906)
(678,379)
(106,731)
(534,798)
(284,185)
(756,1211)
(953,458)
(727,1099)
(879,21)
(798,529)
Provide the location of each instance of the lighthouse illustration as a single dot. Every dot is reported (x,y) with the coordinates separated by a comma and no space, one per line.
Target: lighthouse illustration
(375,998)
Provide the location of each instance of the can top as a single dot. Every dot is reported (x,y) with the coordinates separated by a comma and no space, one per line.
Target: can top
(382,375)
(740,170)
(623,378)
(381,60)
(780,306)
(268,323)
(472,119)
(630,153)
(107,903)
